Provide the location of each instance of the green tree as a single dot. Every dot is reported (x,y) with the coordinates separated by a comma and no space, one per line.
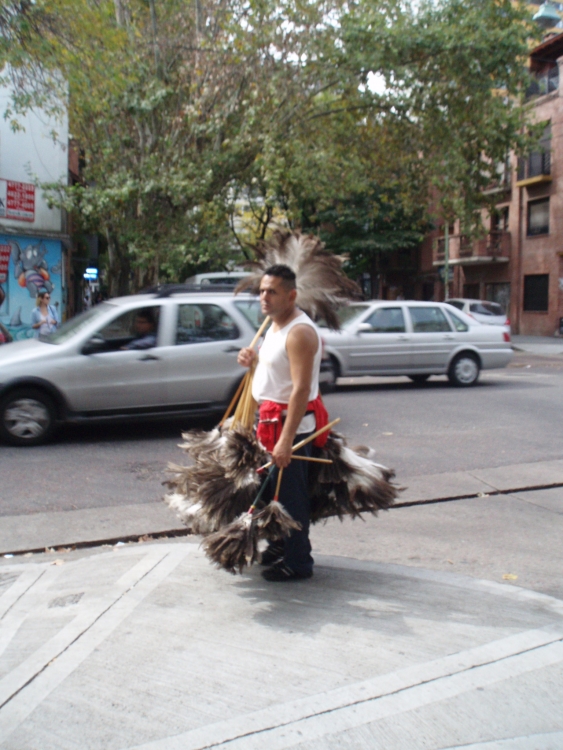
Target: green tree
(180,109)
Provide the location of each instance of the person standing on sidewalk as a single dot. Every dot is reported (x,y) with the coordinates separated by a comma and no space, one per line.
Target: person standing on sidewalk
(286,386)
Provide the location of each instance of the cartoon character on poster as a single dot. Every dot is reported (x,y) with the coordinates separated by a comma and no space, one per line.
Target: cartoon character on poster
(31,269)
(35,265)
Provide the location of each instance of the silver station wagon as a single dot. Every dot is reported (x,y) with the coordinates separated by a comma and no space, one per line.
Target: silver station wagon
(417,339)
(152,354)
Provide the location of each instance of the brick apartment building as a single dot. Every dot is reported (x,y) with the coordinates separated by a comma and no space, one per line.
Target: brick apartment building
(519,263)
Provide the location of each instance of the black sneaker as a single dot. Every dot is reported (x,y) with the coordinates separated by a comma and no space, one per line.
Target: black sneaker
(281,572)
(272,555)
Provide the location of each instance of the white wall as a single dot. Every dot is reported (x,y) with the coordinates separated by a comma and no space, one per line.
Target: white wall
(31,155)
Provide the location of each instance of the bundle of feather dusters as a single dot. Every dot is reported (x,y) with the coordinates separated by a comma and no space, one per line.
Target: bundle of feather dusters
(222,483)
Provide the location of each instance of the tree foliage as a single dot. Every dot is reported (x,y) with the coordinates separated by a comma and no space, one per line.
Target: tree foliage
(182,109)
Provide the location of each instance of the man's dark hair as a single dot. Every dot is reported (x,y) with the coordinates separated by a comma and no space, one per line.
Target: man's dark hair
(147,313)
(283,272)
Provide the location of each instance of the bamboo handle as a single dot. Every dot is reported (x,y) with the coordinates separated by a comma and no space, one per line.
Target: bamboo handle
(315,434)
(227,414)
(247,374)
(259,332)
(277,493)
(297,458)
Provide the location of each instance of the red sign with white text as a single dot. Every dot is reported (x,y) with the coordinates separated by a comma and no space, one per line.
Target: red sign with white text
(5,251)
(17,200)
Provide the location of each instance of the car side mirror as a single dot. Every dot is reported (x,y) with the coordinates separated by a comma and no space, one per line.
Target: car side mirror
(364,328)
(94,345)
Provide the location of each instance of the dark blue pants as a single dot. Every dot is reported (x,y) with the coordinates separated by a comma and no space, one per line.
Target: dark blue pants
(294,496)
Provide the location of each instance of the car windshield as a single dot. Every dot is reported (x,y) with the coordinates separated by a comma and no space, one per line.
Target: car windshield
(345,315)
(72,326)
(486,308)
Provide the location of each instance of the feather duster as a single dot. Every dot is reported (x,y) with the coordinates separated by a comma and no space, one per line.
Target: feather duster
(235,545)
(222,483)
(321,284)
(190,515)
(351,485)
(274,522)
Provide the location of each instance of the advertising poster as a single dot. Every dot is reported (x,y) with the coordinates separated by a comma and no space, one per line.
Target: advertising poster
(27,265)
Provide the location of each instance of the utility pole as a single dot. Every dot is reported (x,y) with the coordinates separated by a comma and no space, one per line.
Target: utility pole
(446,262)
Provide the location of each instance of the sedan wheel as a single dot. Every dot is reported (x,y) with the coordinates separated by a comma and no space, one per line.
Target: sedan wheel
(332,371)
(27,417)
(464,370)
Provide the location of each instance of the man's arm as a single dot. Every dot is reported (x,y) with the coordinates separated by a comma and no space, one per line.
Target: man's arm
(301,346)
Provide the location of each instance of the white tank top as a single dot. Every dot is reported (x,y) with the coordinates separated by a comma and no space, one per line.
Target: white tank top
(272,378)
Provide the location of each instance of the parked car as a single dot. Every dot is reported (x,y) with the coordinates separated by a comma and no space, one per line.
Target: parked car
(486,312)
(416,339)
(161,353)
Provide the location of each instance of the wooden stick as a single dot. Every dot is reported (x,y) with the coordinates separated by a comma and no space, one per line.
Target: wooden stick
(247,376)
(315,434)
(308,440)
(277,492)
(227,414)
(259,332)
(297,458)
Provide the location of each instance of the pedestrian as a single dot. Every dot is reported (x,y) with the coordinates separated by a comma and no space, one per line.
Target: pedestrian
(44,318)
(286,387)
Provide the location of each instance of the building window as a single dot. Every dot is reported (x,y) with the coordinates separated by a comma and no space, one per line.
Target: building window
(538,217)
(536,288)
(544,81)
(499,220)
(538,162)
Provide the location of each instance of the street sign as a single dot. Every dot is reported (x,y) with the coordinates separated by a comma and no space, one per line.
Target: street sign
(17,200)
(442,274)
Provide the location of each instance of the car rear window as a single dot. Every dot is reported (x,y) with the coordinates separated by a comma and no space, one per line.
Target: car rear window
(456,303)
(486,308)
(428,320)
(459,324)
(203,323)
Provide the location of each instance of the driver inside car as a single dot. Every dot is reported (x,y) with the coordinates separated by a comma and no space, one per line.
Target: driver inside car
(145,331)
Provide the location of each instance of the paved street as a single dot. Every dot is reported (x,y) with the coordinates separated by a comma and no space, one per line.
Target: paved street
(507,419)
(436,625)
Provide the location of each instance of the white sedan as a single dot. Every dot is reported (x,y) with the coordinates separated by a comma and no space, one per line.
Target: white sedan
(416,339)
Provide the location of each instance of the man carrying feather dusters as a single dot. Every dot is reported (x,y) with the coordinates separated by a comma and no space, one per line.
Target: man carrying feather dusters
(286,387)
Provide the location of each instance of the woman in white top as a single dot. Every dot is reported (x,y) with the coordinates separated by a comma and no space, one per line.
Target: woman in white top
(44,318)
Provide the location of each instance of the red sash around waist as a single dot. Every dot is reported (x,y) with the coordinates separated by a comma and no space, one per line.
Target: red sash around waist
(271,419)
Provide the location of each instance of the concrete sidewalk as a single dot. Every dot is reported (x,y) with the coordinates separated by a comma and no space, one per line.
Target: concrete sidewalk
(145,646)
(148,647)
(37,531)
(544,346)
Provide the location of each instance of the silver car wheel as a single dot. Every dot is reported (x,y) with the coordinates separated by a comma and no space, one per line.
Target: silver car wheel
(464,371)
(27,418)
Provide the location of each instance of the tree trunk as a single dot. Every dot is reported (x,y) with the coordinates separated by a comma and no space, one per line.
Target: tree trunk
(119,268)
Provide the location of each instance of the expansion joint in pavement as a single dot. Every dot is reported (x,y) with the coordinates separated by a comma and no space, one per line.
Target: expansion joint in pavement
(474,495)
(10,695)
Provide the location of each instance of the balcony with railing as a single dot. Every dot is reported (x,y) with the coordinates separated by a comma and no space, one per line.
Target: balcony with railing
(495,247)
(545,82)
